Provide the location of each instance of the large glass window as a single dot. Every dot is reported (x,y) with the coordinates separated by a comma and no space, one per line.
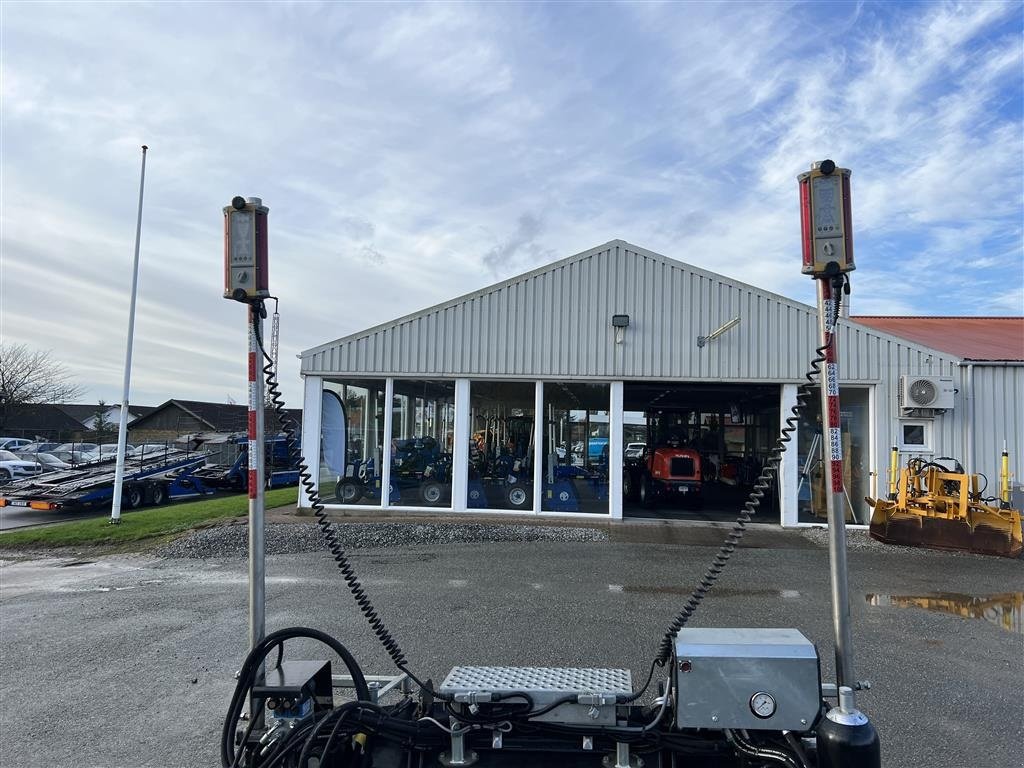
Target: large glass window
(575,447)
(812,483)
(352,441)
(422,443)
(501,445)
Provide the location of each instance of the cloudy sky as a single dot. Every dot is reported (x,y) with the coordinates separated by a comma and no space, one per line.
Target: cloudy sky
(411,153)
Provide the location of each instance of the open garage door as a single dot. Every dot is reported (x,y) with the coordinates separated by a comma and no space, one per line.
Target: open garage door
(694,450)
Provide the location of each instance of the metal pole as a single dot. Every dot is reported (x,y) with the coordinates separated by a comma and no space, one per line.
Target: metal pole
(122,429)
(835,495)
(257,573)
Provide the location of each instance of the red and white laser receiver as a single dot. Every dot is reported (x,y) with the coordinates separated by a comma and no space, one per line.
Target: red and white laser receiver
(245,249)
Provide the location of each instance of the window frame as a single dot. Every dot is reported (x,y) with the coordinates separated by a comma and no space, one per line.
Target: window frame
(925,446)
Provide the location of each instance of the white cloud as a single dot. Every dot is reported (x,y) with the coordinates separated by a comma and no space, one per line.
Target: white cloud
(412,153)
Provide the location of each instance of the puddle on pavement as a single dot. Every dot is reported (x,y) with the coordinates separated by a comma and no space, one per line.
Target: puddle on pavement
(1005,610)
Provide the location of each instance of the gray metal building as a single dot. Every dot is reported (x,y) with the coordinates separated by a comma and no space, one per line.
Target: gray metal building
(533,371)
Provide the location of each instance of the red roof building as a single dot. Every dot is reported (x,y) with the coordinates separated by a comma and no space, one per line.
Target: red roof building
(970,338)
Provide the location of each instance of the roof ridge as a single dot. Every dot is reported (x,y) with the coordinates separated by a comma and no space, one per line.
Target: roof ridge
(596,250)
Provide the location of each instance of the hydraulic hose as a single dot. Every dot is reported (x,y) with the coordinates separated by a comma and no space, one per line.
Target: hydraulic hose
(770,469)
(247,676)
(761,753)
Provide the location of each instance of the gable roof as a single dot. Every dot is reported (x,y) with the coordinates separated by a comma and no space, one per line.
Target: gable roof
(555,322)
(218,417)
(971,338)
(42,418)
(83,412)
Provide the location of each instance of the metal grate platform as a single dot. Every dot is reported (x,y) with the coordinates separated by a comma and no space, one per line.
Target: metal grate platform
(546,685)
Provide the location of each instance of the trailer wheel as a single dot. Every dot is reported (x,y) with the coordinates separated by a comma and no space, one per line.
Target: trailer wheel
(133,497)
(517,496)
(348,491)
(432,493)
(160,494)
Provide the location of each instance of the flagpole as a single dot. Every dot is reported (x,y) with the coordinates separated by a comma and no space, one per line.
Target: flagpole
(122,431)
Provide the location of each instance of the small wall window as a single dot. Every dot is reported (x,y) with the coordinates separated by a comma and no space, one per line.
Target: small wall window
(916,436)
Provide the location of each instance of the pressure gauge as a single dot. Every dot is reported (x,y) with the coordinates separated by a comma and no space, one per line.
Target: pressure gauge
(762,705)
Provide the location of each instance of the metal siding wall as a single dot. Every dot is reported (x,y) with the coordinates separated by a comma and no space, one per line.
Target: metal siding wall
(557,323)
(998,416)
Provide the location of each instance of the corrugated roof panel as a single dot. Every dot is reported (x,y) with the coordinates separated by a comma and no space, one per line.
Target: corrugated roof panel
(971,338)
(556,322)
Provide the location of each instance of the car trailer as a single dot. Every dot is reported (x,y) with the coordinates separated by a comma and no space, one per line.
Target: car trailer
(147,481)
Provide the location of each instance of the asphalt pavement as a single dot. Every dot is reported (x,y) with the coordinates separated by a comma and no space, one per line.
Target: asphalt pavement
(129,660)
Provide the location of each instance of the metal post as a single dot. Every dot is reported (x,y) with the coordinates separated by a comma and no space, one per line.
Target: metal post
(835,495)
(389,428)
(257,555)
(122,430)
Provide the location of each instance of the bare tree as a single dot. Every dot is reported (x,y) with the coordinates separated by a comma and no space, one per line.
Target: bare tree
(29,376)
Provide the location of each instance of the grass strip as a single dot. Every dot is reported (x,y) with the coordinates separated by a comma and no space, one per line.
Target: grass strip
(142,524)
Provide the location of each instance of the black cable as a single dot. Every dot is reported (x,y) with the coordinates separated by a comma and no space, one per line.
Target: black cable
(306,478)
(762,753)
(638,694)
(340,713)
(290,430)
(667,645)
(247,678)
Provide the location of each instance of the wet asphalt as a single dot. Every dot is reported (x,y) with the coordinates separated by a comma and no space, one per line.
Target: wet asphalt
(129,660)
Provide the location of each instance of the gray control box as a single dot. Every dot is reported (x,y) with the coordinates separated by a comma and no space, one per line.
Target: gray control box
(746,678)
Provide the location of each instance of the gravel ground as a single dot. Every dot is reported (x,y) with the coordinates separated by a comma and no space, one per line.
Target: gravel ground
(294,538)
(860,540)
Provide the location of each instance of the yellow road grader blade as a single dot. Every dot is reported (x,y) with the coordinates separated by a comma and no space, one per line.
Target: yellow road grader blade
(940,509)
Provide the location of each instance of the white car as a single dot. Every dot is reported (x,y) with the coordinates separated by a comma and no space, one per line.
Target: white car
(635,450)
(13,468)
(105,452)
(149,450)
(14,443)
(50,462)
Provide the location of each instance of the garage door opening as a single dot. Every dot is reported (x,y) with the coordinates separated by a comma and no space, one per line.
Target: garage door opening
(693,451)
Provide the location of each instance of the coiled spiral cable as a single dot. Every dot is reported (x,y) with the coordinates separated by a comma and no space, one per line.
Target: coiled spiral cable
(376,623)
(768,472)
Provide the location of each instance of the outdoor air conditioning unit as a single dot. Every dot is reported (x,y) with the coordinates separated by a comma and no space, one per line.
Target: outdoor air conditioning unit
(932,392)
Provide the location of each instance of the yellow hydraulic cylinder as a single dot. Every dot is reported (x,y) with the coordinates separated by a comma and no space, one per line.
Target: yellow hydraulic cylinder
(1004,479)
(894,470)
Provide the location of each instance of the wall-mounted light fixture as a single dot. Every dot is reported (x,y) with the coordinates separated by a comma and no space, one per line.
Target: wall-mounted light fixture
(702,340)
(620,323)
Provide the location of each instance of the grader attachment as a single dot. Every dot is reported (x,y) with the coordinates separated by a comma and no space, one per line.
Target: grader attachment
(931,506)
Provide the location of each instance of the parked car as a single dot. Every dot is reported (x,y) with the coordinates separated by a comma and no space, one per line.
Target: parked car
(50,462)
(13,443)
(104,452)
(34,448)
(78,455)
(79,447)
(635,450)
(13,468)
(151,449)
(69,457)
